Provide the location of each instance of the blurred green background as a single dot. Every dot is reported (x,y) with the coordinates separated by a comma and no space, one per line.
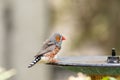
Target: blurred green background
(90,27)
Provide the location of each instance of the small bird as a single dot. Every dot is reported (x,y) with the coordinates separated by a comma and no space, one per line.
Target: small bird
(49,49)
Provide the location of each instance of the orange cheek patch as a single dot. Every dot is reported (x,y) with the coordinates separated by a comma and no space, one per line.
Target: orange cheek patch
(58,38)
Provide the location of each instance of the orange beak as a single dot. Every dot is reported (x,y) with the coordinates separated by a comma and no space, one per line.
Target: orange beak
(63,38)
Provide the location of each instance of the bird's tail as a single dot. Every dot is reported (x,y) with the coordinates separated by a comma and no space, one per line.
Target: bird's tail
(35,61)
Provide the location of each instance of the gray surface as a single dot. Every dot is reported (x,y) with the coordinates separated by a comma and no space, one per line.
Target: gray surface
(92,65)
(90,61)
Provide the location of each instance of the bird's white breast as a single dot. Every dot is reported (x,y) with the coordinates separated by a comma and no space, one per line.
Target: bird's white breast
(44,59)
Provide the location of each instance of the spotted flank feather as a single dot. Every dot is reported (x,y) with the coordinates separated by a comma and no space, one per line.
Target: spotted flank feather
(34,62)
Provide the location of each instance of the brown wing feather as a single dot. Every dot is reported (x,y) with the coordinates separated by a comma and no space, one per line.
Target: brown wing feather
(45,44)
(47,47)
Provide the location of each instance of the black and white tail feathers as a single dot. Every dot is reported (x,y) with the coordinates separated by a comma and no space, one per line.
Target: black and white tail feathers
(35,61)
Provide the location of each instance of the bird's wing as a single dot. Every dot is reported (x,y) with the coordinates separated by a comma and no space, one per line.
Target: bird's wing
(46,50)
(46,44)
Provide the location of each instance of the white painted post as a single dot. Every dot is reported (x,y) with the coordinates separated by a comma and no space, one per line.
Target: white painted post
(30,25)
(2,34)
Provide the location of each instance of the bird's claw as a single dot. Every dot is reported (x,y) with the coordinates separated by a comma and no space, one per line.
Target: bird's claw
(53,61)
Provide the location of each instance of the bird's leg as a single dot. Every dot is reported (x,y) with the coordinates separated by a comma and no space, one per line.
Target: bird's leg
(53,60)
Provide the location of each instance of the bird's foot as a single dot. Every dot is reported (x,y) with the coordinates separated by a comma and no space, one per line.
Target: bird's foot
(53,61)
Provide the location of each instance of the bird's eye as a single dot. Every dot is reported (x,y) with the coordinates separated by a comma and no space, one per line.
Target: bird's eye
(57,38)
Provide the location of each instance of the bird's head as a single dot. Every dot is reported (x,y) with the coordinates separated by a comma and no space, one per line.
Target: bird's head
(57,38)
